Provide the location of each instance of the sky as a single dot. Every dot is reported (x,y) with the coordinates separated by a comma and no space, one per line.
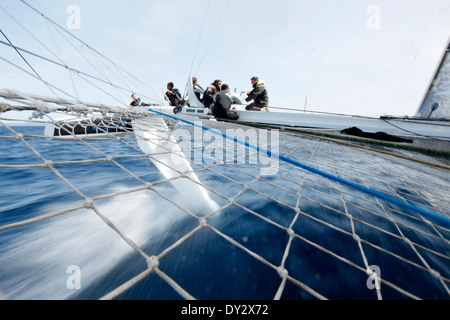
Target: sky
(364,57)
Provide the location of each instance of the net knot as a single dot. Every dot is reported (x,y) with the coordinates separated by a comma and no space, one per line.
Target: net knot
(48,163)
(4,107)
(88,203)
(202,222)
(435,274)
(370,272)
(152,262)
(407,241)
(282,272)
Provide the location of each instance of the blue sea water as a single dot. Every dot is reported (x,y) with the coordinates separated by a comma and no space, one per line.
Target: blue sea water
(35,258)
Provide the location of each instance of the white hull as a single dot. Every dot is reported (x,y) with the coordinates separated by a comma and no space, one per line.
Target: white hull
(395,126)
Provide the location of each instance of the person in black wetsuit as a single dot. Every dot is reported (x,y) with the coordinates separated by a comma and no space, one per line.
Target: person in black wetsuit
(174,95)
(137,102)
(210,92)
(258,95)
(222,105)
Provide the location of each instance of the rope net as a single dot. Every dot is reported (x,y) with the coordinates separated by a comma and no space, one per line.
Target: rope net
(102,202)
(162,209)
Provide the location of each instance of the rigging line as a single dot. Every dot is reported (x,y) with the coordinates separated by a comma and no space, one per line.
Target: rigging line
(68,94)
(84,43)
(35,72)
(116,73)
(197,46)
(81,54)
(414,133)
(213,36)
(150,96)
(47,83)
(101,71)
(65,66)
(124,78)
(101,74)
(410,206)
(61,58)
(199,37)
(324,112)
(30,33)
(107,93)
(402,89)
(326,102)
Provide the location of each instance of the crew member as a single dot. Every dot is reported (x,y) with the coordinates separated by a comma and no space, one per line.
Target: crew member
(210,92)
(174,95)
(198,90)
(137,102)
(222,105)
(258,95)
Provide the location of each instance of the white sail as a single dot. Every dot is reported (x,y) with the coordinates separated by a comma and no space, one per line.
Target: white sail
(193,100)
(436,103)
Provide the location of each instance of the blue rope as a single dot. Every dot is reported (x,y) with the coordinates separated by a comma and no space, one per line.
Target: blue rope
(410,206)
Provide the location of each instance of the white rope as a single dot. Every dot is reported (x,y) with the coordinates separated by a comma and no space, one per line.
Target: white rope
(303,181)
(368,224)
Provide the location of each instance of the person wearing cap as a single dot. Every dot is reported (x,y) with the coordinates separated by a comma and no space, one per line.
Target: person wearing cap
(258,95)
(222,105)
